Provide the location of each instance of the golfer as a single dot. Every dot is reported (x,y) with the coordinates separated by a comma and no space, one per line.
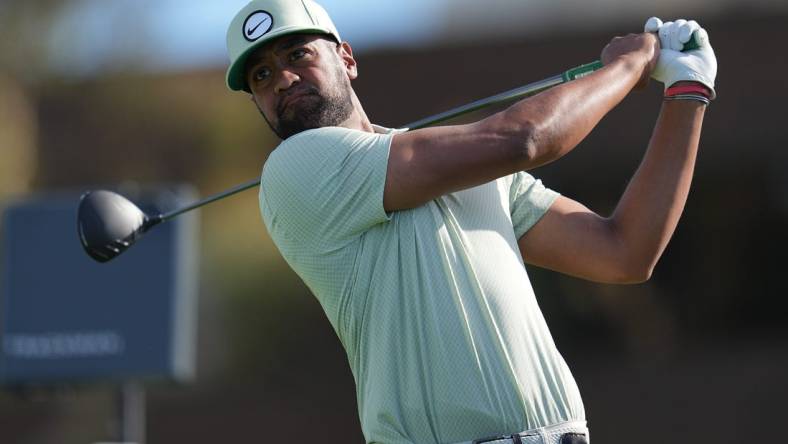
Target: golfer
(414,242)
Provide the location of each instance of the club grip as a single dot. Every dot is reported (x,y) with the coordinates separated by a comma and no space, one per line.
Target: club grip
(695,41)
(581,71)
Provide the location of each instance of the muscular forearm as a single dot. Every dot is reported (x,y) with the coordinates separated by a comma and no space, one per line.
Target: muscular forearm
(649,209)
(555,121)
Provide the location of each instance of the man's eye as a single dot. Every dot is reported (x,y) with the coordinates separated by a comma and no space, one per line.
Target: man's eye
(262,74)
(297,54)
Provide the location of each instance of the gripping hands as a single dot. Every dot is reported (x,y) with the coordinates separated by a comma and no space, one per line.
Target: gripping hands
(696,64)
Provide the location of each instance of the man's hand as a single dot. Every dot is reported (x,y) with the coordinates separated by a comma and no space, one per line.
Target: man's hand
(639,51)
(697,65)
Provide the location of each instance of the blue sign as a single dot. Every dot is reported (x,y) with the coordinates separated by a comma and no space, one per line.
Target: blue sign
(66,318)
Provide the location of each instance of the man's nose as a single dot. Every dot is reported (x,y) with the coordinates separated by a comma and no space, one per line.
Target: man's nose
(285,79)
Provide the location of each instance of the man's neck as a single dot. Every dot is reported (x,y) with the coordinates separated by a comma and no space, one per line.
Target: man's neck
(358,119)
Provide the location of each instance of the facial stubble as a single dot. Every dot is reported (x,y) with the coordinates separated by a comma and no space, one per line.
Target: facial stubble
(315,108)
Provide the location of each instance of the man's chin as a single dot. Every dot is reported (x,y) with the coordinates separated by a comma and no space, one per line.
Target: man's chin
(310,112)
(287,129)
(298,106)
(291,114)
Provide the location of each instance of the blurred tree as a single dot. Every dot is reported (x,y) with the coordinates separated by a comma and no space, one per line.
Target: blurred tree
(44,39)
(17,139)
(24,35)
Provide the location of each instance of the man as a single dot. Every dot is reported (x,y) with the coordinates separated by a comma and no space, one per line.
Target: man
(414,242)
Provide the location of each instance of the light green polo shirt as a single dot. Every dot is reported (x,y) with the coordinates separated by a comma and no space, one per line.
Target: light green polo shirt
(433,305)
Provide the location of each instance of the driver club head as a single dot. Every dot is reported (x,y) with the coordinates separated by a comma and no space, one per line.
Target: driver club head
(108,224)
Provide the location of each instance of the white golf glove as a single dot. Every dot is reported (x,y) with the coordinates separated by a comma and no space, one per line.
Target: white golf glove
(695,65)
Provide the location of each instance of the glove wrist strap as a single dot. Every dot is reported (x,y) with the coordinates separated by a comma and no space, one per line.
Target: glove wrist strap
(693,89)
(697,97)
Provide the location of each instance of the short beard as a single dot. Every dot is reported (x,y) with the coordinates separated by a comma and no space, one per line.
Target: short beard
(315,109)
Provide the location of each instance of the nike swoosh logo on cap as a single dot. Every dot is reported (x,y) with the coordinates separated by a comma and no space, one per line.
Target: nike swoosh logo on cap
(249,32)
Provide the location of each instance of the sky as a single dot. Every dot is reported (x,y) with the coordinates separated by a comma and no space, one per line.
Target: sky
(181,34)
(93,35)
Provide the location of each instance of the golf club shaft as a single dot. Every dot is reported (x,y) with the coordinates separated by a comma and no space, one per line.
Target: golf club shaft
(504,97)
(236,189)
(508,96)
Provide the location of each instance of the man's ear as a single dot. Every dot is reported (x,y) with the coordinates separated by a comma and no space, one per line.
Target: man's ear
(345,53)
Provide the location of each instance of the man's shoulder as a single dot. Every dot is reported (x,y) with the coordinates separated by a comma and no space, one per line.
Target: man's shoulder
(312,145)
(310,137)
(329,133)
(327,177)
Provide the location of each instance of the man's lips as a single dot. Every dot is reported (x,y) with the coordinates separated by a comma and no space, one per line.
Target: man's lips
(292,98)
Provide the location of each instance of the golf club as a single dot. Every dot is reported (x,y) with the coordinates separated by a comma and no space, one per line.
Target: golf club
(108,223)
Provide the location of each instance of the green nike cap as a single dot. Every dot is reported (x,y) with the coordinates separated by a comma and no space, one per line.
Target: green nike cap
(264,20)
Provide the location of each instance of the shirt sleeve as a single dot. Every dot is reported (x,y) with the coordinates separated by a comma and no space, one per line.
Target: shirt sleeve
(325,186)
(529,200)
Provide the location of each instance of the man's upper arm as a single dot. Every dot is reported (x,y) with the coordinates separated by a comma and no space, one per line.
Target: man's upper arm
(427,163)
(574,240)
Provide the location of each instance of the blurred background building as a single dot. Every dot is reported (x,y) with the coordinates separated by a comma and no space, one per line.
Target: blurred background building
(96,93)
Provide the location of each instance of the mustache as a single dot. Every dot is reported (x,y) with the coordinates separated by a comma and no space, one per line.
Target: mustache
(305,91)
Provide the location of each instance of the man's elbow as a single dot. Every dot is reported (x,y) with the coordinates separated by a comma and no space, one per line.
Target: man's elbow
(520,140)
(529,146)
(634,272)
(631,261)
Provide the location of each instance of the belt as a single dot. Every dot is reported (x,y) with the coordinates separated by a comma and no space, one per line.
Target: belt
(572,432)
